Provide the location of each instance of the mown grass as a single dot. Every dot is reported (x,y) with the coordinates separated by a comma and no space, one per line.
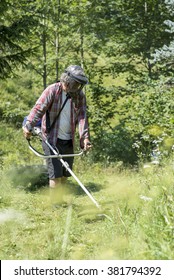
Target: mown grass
(138,204)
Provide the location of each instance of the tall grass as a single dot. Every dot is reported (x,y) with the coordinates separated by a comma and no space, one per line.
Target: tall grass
(138,204)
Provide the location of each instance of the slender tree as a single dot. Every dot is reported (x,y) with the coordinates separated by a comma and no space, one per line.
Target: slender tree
(139,30)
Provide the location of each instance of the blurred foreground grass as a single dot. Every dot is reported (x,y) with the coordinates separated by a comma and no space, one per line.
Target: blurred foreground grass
(139,204)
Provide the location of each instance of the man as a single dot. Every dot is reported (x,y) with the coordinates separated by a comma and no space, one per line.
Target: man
(67,98)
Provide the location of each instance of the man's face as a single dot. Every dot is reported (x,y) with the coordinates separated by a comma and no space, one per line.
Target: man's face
(74,87)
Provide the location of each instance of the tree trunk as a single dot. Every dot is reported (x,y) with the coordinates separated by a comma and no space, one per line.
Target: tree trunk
(45,60)
(57,41)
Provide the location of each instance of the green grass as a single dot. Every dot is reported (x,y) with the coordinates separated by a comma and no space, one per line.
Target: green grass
(139,204)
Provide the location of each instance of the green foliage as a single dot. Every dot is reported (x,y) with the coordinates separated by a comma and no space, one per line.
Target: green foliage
(164,57)
(128,113)
(137,30)
(17,96)
(15,29)
(143,113)
(114,146)
(150,120)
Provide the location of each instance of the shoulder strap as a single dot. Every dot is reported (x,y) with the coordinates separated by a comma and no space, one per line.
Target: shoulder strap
(48,126)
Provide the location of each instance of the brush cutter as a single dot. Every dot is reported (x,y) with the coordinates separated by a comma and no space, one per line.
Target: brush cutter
(37,132)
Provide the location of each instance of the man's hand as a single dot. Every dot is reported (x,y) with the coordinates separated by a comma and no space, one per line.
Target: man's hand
(87,145)
(27,133)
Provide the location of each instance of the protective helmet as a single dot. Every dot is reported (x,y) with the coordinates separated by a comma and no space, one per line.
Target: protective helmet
(77,74)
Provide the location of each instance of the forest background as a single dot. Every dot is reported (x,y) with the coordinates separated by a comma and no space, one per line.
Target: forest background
(127,51)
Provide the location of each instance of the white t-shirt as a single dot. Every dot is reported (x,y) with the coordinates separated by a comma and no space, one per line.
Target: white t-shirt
(64,131)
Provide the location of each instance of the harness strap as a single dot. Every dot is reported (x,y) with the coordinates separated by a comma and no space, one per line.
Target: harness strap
(48,126)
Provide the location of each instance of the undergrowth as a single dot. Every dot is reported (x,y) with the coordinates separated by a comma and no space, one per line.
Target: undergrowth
(135,221)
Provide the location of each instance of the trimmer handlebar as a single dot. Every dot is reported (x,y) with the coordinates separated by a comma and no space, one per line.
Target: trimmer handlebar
(59,156)
(37,132)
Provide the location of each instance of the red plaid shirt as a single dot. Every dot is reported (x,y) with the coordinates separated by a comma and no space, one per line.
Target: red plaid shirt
(51,100)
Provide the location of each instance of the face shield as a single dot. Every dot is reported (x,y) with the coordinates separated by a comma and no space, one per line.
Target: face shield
(75,87)
(76,80)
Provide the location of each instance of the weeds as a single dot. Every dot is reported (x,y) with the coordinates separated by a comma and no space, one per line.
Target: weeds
(140,205)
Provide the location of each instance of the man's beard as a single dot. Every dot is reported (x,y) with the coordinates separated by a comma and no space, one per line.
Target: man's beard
(73,94)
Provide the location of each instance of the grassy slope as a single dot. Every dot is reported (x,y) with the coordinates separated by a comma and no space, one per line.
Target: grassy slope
(30,228)
(139,204)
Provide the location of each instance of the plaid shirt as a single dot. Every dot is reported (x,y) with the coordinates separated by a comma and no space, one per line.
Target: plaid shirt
(51,100)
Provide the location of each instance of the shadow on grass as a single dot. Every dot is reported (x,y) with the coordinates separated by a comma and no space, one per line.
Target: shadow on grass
(30,178)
